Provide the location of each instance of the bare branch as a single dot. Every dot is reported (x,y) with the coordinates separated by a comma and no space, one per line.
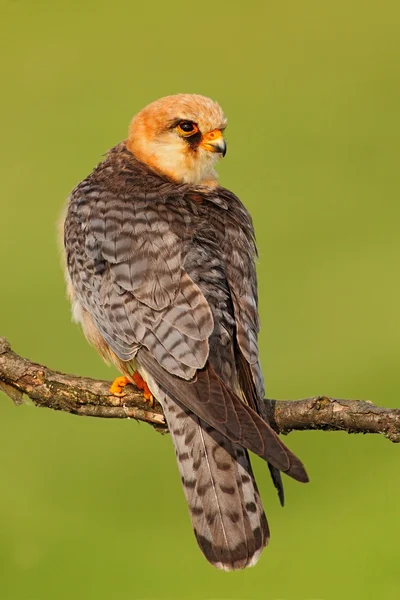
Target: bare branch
(333,414)
(77,395)
(89,397)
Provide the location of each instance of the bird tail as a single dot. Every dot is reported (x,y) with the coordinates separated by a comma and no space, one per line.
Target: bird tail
(225,507)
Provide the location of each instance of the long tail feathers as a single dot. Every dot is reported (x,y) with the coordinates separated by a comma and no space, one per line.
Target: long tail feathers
(208,397)
(226,511)
(212,430)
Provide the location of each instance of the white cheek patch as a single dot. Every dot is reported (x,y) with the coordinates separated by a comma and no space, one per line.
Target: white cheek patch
(168,155)
(173,157)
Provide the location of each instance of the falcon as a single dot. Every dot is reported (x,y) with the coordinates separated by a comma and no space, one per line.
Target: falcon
(160,270)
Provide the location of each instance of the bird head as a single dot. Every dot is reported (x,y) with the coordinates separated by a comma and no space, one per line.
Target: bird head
(180,137)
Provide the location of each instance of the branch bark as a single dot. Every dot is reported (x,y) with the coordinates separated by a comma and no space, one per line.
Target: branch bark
(89,397)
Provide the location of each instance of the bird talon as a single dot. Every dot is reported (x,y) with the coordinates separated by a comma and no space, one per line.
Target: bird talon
(117,386)
(142,385)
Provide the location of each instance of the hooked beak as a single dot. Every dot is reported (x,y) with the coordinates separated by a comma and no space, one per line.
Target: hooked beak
(213,141)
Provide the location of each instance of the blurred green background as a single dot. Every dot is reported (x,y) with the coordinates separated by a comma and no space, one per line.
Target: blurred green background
(94,508)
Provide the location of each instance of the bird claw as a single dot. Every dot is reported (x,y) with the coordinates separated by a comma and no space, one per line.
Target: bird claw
(142,385)
(117,386)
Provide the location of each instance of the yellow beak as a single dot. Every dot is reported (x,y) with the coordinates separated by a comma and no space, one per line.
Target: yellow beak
(213,141)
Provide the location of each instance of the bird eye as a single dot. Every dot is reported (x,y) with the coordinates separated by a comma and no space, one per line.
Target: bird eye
(187,128)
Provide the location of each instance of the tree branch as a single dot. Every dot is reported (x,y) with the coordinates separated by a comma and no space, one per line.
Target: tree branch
(89,397)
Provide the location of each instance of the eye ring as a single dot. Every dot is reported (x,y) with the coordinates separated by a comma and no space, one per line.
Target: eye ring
(187,128)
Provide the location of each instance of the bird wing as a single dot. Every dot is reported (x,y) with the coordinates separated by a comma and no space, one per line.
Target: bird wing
(242,281)
(124,256)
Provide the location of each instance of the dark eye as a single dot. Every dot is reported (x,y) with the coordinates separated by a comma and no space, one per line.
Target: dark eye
(187,128)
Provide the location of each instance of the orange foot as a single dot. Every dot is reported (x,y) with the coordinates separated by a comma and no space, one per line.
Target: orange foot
(142,385)
(117,386)
(120,382)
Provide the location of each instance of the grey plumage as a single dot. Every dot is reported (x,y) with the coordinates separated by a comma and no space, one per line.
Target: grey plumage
(165,272)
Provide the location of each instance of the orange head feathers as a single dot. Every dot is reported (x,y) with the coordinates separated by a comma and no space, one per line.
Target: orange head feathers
(180,137)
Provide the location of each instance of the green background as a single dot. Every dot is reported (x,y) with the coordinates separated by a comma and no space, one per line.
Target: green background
(93,508)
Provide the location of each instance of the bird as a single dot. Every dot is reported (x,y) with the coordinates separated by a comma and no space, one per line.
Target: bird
(160,266)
